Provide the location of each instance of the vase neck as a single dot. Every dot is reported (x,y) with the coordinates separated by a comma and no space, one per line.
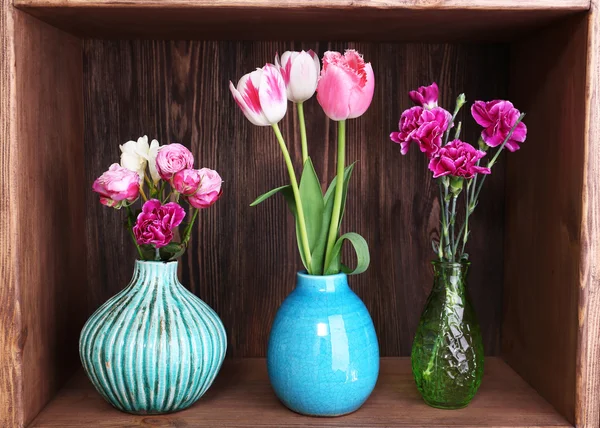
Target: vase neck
(450,276)
(321,283)
(155,274)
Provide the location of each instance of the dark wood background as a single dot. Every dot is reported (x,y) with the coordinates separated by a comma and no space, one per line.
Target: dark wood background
(242,260)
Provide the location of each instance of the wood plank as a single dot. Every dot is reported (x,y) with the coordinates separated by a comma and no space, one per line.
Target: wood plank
(406,20)
(588,376)
(242,259)
(543,251)
(11,397)
(242,397)
(47,206)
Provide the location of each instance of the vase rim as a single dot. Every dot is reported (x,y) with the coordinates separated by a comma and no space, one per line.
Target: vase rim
(156,262)
(450,264)
(304,274)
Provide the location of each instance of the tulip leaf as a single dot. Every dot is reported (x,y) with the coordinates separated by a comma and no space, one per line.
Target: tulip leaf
(267,195)
(311,196)
(288,194)
(361,248)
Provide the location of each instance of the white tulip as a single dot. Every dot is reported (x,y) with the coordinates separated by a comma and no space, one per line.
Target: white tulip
(135,155)
(300,72)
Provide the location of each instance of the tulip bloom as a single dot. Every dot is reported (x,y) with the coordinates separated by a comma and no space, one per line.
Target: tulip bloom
(346,86)
(300,72)
(261,95)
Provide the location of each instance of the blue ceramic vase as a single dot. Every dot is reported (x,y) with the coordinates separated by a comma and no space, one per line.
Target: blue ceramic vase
(154,347)
(323,355)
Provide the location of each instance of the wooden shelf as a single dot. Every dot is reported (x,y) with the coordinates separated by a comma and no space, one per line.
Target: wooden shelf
(305,19)
(241,396)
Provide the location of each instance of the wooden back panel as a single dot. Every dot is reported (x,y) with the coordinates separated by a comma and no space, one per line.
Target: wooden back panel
(243,260)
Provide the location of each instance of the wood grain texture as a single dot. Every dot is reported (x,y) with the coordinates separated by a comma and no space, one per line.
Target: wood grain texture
(588,375)
(11,397)
(243,260)
(242,397)
(543,213)
(384,20)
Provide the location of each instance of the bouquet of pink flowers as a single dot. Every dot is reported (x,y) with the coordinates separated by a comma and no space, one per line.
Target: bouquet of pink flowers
(152,167)
(344,89)
(458,166)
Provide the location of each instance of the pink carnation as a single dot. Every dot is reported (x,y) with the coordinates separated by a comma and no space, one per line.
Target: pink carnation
(497,118)
(173,158)
(425,96)
(117,186)
(424,127)
(209,191)
(156,222)
(458,159)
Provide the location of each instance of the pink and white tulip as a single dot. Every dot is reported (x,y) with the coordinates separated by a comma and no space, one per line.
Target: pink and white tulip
(209,191)
(346,86)
(117,186)
(261,95)
(300,72)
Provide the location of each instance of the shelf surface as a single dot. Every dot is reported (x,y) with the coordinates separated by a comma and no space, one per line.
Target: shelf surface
(494,20)
(242,396)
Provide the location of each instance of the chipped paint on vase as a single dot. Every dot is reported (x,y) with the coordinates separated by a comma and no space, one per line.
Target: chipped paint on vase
(155,347)
(323,354)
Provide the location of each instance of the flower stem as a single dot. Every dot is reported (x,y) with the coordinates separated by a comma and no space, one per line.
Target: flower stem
(296,191)
(188,229)
(441,243)
(339,192)
(142,193)
(452,223)
(130,229)
(302,132)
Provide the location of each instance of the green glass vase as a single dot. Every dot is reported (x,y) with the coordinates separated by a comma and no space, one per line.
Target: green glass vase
(447,353)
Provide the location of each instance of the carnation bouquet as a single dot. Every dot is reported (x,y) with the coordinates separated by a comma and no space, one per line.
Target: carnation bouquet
(163,177)
(344,89)
(458,167)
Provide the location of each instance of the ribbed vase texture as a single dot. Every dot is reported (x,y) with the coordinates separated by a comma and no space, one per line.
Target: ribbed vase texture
(323,355)
(155,347)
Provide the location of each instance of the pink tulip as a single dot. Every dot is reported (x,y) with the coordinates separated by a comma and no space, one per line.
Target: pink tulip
(187,181)
(425,96)
(209,191)
(117,186)
(261,95)
(173,158)
(457,159)
(346,86)
(156,222)
(498,117)
(300,72)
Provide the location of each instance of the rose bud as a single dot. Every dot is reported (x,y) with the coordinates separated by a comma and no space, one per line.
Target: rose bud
(187,181)
(117,186)
(209,191)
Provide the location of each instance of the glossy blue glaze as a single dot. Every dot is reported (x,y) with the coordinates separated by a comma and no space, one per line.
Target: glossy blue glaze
(154,347)
(323,355)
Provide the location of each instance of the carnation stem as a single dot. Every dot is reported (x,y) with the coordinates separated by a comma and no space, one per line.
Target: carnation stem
(300,107)
(130,229)
(441,243)
(452,223)
(339,191)
(301,222)
(188,229)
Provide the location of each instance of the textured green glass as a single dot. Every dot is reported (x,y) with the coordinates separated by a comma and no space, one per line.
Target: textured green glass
(447,353)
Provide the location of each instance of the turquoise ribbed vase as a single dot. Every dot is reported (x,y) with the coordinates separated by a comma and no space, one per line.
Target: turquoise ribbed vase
(154,347)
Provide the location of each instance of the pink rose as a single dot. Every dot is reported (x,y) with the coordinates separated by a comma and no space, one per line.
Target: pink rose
(117,186)
(498,117)
(458,159)
(209,191)
(156,222)
(173,158)
(424,127)
(346,85)
(187,181)
(425,96)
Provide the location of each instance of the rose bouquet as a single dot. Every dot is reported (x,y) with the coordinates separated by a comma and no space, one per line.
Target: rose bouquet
(162,176)
(447,353)
(300,343)
(344,89)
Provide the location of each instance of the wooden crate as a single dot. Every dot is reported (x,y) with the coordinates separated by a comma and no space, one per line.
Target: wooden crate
(80,77)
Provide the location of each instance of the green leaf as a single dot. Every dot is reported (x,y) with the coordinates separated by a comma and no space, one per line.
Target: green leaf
(288,194)
(311,196)
(267,195)
(148,252)
(362,254)
(171,251)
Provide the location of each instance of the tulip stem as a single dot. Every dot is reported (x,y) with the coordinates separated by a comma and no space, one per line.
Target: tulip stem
(300,107)
(301,222)
(339,191)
